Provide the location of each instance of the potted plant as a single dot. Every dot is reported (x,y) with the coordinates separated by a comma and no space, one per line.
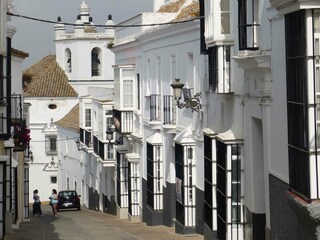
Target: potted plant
(21,135)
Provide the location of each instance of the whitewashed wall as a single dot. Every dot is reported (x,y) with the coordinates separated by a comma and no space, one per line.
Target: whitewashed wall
(40,116)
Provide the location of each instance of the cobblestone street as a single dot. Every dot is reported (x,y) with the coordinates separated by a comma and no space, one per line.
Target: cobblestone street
(90,225)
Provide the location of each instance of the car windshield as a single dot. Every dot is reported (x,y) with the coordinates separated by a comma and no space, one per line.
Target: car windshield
(67,194)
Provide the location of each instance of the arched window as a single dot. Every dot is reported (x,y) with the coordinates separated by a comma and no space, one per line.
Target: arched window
(95,62)
(68,65)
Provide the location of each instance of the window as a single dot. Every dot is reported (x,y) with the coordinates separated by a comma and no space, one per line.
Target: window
(110,151)
(203,47)
(134,189)
(225,16)
(52,106)
(127,93)
(220,69)
(248,24)
(297,102)
(68,65)
(228,192)
(168,110)
(138,91)
(316,30)
(88,117)
(95,62)
(109,119)
(128,88)
(209,184)
(217,20)
(154,177)
(185,185)
(123,121)
(122,181)
(235,184)
(53,179)
(51,145)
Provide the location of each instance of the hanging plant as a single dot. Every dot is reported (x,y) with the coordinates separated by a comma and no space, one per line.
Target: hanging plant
(21,134)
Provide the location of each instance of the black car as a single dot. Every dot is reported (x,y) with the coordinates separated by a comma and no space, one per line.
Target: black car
(68,199)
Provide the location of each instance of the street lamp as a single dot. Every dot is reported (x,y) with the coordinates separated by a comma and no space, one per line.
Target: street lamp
(189,102)
(109,135)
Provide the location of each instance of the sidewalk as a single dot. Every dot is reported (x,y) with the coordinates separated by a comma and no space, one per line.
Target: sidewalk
(34,229)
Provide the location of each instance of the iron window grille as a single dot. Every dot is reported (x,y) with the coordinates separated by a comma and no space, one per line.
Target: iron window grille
(210,207)
(229,198)
(122,181)
(154,177)
(133,189)
(168,110)
(185,195)
(155,107)
(297,103)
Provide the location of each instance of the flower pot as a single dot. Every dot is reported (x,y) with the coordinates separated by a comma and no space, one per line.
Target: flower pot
(17,142)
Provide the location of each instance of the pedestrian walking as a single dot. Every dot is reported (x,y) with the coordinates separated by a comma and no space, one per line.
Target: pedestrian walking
(54,202)
(36,203)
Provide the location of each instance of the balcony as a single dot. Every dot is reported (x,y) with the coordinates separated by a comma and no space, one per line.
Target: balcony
(99,149)
(169,110)
(86,138)
(10,114)
(152,111)
(123,121)
(161,113)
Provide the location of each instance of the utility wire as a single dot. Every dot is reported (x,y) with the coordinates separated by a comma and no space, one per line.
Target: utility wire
(105,26)
(58,140)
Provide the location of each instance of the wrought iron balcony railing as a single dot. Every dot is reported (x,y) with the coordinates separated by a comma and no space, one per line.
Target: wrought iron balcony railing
(168,110)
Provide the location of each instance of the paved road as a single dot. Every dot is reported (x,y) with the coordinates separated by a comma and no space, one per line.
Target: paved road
(90,225)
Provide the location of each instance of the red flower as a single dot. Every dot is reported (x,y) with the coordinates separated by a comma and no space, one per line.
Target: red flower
(22,133)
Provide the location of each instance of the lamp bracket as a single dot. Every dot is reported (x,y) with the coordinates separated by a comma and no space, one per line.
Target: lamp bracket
(193,103)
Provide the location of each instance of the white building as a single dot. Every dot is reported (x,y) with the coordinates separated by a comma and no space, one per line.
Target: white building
(50,97)
(13,159)
(159,180)
(71,163)
(261,136)
(82,65)
(86,58)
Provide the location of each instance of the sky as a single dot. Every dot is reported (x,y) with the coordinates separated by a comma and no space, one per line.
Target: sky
(37,38)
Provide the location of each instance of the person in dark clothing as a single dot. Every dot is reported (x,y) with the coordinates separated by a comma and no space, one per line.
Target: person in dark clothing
(36,203)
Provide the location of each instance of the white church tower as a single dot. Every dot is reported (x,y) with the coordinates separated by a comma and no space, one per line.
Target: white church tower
(85,53)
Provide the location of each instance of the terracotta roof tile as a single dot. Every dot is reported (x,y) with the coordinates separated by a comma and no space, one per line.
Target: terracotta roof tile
(171,7)
(189,12)
(47,79)
(71,119)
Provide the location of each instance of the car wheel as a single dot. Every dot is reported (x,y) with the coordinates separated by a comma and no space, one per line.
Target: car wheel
(78,208)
